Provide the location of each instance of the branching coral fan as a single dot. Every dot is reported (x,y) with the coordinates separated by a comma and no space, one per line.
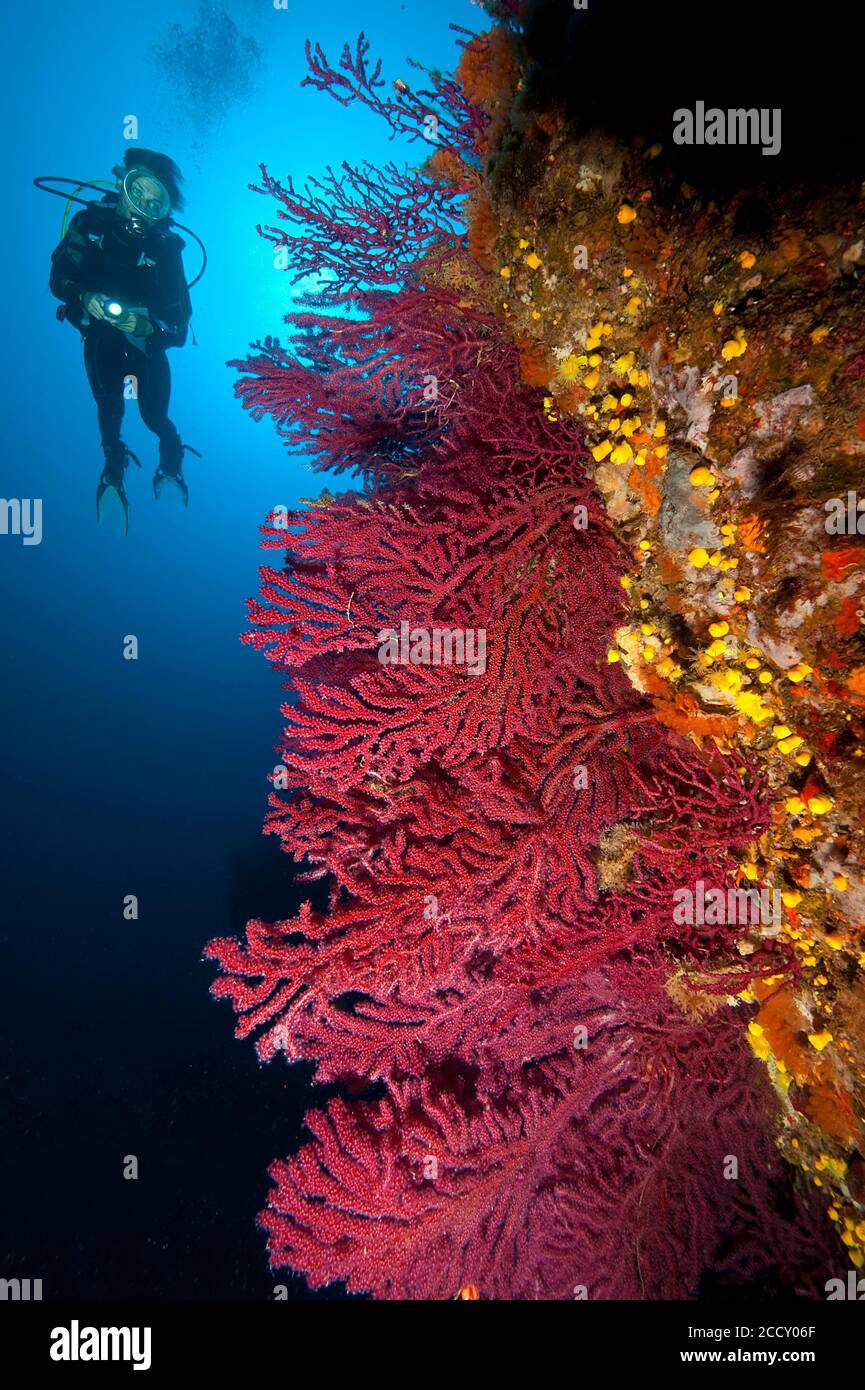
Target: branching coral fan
(561,1088)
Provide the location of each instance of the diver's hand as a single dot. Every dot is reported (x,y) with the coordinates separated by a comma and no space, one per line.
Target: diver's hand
(135,324)
(93,304)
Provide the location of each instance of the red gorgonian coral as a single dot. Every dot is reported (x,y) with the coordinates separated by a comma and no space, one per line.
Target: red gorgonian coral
(501,844)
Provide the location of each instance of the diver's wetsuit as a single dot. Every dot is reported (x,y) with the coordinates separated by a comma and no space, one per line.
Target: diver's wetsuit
(109,358)
(100,254)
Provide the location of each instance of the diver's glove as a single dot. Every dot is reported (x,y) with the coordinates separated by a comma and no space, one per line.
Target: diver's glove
(136,325)
(135,321)
(117,458)
(92,303)
(170,468)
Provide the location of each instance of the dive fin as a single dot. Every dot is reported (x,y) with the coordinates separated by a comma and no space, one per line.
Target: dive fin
(113,480)
(170,468)
(120,494)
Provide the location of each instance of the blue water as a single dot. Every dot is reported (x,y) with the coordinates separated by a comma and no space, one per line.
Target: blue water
(148,777)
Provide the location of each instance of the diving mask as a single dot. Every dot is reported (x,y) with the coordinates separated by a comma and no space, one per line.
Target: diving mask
(145,196)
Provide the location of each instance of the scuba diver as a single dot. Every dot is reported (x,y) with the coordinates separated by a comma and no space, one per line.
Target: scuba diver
(119,273)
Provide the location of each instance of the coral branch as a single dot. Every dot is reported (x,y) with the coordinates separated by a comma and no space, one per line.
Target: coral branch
(441,114)
(365,230)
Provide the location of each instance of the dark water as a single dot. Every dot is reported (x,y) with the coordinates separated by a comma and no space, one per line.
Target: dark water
(148,777)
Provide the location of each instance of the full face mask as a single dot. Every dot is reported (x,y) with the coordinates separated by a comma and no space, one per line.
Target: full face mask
(145,197)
